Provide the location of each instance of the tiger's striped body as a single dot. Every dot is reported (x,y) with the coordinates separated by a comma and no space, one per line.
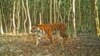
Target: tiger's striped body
(49,29)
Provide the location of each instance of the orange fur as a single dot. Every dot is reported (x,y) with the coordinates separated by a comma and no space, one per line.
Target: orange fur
(50,28)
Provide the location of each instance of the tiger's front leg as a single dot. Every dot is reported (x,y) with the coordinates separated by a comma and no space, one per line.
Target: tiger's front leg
(50,38)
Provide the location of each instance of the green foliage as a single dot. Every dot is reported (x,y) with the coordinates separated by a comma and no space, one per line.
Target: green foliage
(85,13)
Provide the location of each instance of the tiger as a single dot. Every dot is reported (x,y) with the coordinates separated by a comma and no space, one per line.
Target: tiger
(49,29)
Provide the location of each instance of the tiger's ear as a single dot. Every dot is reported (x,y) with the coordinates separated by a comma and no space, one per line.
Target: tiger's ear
(33,28)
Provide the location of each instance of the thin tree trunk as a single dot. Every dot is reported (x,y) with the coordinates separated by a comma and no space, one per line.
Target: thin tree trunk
(14,26)
(1,27)
(54,11)
(28,14)
(41,13)
(74,23)
(97,19)
(58,12)
(40,18)
(18,18)
(25,16)
(34,12)
(50,11)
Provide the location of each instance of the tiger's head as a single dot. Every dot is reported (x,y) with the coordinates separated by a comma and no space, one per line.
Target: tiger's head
(37,31)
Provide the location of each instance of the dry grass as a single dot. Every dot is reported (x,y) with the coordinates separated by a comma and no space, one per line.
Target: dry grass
(25,46)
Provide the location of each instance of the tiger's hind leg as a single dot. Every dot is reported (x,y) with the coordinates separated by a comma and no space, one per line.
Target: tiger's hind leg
(65,36)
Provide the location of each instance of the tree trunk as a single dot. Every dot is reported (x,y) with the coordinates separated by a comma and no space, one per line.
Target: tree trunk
(40,18)
(24,9)
(18,17)
(1,27)
(35,12)
(50,11)
(74,23)
(97,19)
(54,11)
(28,14)
(14,26)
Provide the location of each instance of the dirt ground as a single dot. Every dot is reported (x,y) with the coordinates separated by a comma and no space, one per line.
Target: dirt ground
(83,45)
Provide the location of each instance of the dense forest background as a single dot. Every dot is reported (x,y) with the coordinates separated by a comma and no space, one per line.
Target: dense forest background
(18,16)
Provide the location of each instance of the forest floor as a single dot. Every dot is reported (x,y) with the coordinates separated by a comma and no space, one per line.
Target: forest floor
(83,45)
